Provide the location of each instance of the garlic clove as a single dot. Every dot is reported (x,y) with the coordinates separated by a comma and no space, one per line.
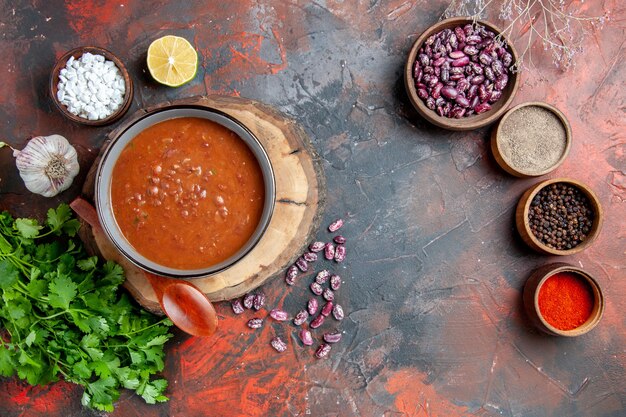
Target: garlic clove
(47,165)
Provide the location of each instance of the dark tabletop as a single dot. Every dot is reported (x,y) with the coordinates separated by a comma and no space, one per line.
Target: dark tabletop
(435,269)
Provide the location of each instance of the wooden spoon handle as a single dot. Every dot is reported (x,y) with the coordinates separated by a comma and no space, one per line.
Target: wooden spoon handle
(182,302)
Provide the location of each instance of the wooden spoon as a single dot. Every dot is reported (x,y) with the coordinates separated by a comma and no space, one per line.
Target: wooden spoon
(181,301)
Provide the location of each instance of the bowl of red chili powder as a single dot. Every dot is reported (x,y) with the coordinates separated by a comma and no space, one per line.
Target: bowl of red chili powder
(563,300)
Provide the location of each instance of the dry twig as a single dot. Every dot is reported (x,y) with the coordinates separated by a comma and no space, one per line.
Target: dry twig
(560,29)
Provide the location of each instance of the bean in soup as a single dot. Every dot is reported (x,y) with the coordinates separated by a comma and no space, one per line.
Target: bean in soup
(187,193)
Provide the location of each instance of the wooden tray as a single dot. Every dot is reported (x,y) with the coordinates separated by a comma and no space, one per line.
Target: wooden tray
(299,198)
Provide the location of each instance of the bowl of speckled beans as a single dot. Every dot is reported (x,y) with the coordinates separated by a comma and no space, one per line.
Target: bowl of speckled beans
(89,85)
(461,74)
(560,216)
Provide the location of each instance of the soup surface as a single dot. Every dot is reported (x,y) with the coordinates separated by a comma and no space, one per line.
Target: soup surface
(187,193)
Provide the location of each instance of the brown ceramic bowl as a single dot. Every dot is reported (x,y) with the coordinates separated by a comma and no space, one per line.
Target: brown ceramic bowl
(77,53)
(465,123)
(508,165)
(523,225)
(531,299)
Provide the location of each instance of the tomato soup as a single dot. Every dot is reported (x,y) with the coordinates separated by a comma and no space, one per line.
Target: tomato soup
(187,193)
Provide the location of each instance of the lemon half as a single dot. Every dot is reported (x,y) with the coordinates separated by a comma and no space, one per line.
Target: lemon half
(172,61)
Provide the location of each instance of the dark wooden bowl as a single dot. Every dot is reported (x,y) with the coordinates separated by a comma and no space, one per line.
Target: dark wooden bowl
(523,225)
(531,299)
(465,123)
(77,53)
(507,165)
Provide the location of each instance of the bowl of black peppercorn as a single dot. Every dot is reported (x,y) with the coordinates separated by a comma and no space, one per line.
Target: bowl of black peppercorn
(560,216)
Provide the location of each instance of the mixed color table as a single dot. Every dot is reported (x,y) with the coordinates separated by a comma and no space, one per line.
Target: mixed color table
(434,320)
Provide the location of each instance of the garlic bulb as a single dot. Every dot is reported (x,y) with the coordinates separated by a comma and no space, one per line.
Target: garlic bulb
(48,164)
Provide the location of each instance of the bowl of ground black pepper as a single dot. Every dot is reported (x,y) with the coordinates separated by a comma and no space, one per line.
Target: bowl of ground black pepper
(560,216)
(563,300)
(531,139)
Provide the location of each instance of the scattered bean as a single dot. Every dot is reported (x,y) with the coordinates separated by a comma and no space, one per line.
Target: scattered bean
(305,337)
(302,264)
(258,301)
(338,312)
(237,306)
(327,309)
(301,317)
(316,288)
(291,274)
(340,253)
(255,323)
(336,225)
(279,315)
(329,251)
(317,246)
(317,322)
(339,239)
(310,257)
(328,294)
(312,306)
(322,277)
(332,337)
(278,344)
(322,351)
(335,282)
(248,300)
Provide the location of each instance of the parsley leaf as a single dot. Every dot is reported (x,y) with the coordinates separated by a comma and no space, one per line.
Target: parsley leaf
(153,391)
(103,393)
(58,216)
(30,338)
(28,228)
(88,264)
(7,364)
(8,274)
(62,292)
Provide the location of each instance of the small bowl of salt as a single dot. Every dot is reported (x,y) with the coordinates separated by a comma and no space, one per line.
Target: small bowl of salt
(91,86)
(531,139)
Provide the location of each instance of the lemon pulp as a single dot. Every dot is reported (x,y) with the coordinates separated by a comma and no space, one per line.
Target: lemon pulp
(172,60)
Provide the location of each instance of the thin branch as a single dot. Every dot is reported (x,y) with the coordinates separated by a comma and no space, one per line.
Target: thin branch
(562,34)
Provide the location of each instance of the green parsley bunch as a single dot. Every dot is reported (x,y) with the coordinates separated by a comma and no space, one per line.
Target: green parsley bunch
(63,315)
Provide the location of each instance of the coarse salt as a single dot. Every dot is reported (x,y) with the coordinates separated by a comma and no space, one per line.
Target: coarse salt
(91,87)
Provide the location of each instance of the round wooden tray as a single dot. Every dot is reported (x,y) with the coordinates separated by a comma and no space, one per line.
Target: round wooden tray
(300,194)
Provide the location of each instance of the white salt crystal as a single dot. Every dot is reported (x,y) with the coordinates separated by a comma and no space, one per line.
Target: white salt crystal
(91,86)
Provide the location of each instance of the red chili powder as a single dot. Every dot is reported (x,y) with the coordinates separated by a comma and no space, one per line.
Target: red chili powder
(566,300)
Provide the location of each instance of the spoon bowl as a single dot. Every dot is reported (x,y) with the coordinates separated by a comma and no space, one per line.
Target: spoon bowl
(185,305)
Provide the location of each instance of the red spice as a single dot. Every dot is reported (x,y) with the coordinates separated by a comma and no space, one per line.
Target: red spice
(566,300)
